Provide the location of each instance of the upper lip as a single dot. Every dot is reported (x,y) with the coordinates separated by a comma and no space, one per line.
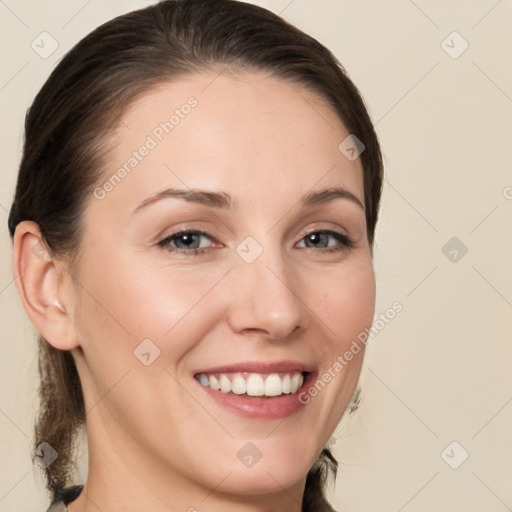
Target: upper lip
(259,367)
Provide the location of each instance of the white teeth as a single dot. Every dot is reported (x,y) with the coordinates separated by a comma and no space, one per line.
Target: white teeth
(239,386)
(254,384)
(297,381)
(225,384)
(287,384)
(273,385)
(214,382)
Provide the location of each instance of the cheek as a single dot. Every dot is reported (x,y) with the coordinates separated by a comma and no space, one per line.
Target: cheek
(128,301)
(347,304)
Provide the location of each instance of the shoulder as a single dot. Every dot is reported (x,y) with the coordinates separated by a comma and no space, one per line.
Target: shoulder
(62,497)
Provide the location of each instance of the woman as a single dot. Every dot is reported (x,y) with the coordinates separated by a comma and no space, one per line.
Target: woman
(193,227)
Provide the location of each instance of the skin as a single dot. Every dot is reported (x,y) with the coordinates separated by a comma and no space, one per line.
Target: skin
(156,440)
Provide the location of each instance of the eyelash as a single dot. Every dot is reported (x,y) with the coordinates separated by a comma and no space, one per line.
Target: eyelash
(346,242)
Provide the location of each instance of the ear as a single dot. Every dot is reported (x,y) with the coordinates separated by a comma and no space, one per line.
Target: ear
(41,288)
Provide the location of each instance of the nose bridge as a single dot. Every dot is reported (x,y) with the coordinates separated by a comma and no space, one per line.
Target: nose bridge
(266,295)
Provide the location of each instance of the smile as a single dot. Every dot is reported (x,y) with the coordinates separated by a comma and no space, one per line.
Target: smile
(257,390)
(253,384)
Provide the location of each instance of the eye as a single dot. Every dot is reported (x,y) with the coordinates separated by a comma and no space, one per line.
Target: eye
(184,241)
(320,240)
(189,242)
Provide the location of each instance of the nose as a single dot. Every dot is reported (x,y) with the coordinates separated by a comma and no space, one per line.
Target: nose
(266,297)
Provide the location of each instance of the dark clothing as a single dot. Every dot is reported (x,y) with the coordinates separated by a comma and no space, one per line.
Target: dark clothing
(64,496)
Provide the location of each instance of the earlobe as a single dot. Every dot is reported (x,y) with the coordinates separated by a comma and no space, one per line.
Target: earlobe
(40,288)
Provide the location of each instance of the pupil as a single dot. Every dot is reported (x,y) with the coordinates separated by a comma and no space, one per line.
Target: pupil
(188,239)
(315,237)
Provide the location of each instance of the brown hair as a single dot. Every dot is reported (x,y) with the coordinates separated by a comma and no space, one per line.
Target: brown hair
(66,141)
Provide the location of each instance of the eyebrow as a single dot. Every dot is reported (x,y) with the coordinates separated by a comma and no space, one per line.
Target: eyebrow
(223,200)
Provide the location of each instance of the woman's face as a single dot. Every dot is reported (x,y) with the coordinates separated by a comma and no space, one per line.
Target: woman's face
(275,298)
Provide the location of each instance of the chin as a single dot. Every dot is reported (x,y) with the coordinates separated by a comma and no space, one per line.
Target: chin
(260,482)
(266,466)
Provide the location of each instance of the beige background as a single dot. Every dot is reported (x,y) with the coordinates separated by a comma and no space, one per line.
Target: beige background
(440,371)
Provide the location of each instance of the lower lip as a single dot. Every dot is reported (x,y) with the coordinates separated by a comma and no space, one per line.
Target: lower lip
(264,408)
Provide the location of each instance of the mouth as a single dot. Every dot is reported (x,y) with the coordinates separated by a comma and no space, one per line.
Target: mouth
(254,384)
(257,390)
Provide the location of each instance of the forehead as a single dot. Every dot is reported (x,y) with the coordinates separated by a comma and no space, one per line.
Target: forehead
(230,132)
